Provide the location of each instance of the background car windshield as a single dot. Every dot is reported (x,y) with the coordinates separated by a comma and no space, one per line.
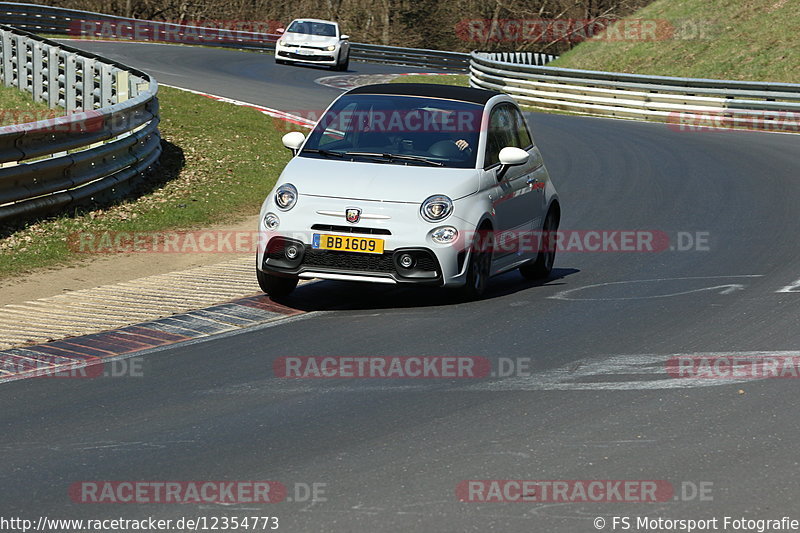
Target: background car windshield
(312,28)
(439,130)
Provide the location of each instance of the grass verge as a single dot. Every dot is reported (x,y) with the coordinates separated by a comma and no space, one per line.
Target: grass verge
(722,39)
(219,163)
(17,107)
(449,79)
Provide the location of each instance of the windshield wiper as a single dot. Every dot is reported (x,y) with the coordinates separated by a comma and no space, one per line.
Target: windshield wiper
(402,157)
(329,153)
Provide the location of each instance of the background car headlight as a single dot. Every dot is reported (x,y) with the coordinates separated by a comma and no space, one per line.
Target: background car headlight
(444,235)
(331,48)
(286,196)
(436,208)
(271,221)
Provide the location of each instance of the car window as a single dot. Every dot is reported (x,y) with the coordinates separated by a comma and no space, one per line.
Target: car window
(523,134)
(502,133)
(416,130)
(312,28)
(334,132)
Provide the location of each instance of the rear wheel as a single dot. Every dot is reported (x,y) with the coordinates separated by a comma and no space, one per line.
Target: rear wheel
(542,266)
(276,287)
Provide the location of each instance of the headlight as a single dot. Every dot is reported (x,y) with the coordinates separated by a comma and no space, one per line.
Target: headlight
(444,235)
(281,42)
(331,48)
(286,196)
(271,221)
(436,208)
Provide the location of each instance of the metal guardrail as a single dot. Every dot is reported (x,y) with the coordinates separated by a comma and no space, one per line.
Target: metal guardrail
(59,21)
(108,136)
(761,105)
(416,57)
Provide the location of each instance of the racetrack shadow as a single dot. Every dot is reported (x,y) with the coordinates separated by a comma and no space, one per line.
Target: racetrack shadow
(327,295)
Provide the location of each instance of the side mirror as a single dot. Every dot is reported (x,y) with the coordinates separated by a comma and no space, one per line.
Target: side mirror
(344,37)
(280,30)
(511,156)
(293,141)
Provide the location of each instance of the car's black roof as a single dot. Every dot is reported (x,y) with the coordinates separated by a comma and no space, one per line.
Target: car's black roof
(430,90)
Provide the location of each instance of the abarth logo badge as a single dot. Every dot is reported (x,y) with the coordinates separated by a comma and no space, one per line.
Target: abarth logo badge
(352,214)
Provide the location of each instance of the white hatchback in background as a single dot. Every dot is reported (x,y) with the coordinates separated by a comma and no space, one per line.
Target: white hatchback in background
(313,42)
(410,184)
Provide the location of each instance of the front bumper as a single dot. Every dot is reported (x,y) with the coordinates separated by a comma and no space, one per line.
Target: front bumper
(399,225)
(308,55)
(310,262)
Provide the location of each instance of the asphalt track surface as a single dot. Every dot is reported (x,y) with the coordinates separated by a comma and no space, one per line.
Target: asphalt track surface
(391,452)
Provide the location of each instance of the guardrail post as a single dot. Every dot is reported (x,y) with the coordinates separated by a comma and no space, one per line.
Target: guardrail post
(52,77)
(70,82)
(106,85)
(87,90)
(37,72)
(8,66)
(122,86)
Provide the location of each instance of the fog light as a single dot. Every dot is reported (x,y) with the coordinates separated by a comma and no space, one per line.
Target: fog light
(406,261)
(271,221)
(444,235)
(292,251)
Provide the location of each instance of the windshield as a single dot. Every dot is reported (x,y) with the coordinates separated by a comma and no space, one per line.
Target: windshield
(405,130)
(305,27)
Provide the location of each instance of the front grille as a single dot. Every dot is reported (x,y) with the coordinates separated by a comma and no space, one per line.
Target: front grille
(292,55)
(351,229)
(348,260)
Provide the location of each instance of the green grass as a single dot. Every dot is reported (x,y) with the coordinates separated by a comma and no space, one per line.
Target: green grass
(221,161)
(17,106)
(722,39)
(450,79)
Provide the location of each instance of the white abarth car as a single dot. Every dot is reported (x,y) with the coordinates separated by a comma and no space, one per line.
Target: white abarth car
(313,41)
(410,184)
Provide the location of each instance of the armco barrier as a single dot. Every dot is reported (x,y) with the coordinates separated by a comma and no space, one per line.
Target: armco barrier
(108,137)
(760,105)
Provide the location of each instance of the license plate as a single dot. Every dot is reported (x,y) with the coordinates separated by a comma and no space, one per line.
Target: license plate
(364,245)
(304,52)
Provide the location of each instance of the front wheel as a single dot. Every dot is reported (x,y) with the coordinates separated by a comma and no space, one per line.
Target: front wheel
(542,266)
(344,65)
(276,287)
(479,268)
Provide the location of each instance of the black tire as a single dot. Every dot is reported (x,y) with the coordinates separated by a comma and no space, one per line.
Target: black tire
(479,268)
(276,287)
(344,65)
(542,266)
